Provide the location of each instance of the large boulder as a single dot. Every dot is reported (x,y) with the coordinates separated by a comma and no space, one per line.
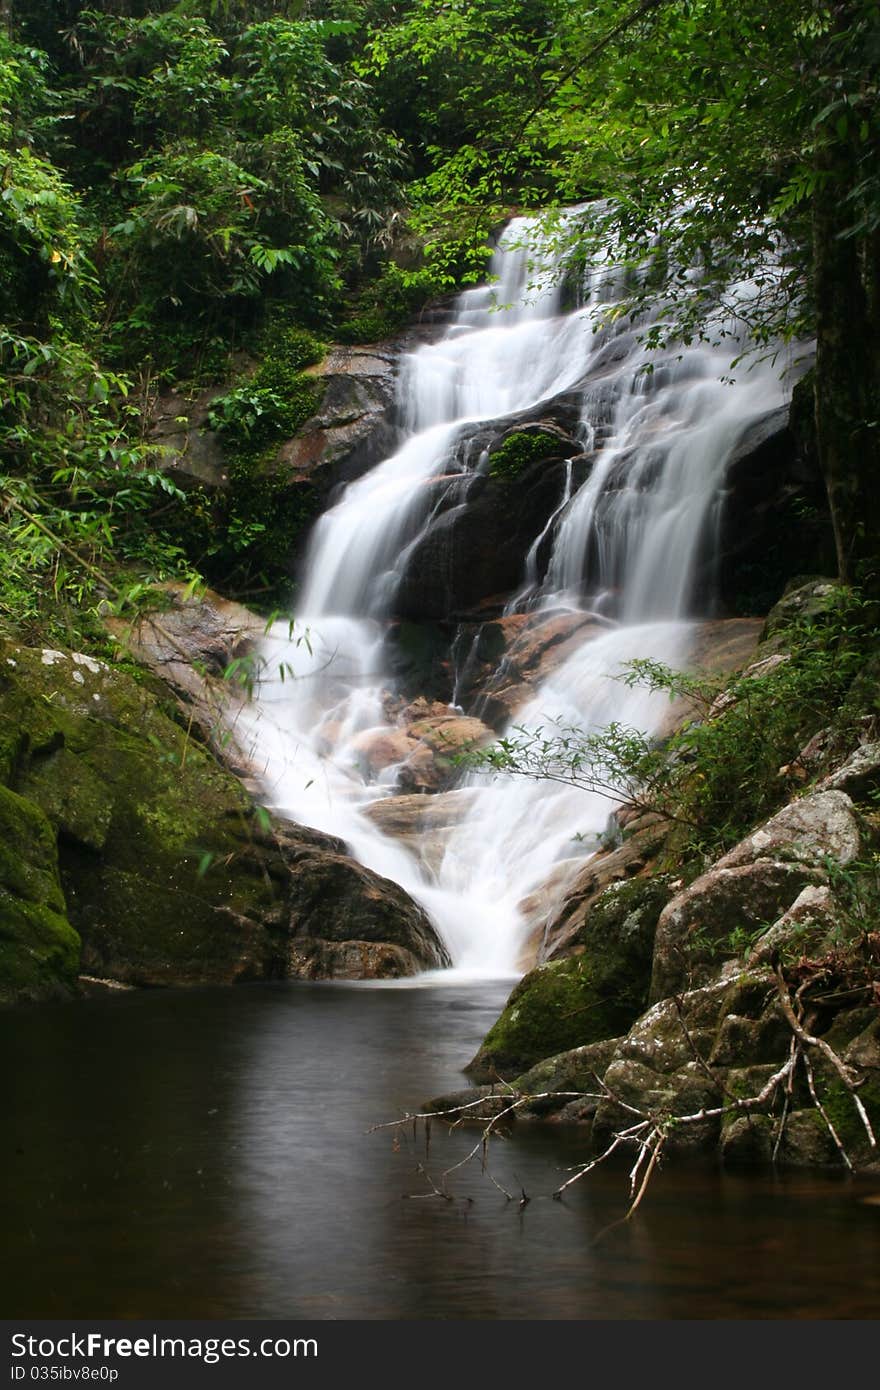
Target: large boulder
(336,908)
(354,426)
(750,887)
(807,831)
(171,874)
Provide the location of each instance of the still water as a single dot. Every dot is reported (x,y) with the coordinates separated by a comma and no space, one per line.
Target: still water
(207,1154)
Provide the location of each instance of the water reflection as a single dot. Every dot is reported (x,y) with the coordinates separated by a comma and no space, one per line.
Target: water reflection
(206,1154)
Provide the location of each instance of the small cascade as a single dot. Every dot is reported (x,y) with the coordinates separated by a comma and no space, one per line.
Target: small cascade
(625,543)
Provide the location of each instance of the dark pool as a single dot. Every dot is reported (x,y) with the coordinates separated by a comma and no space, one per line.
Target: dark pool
(205,1154)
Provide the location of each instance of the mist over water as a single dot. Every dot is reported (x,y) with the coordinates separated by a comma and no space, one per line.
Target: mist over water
(625,545)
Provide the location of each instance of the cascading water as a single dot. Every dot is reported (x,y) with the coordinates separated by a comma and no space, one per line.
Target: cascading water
(625,544)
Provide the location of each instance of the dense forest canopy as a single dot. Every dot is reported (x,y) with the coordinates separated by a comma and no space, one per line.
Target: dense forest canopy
(183,181)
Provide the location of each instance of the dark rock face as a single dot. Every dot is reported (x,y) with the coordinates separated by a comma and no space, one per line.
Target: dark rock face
(333,901)
(39,949)
(354,427)
(773,513)
(190,450)
(473,552)
(169,873)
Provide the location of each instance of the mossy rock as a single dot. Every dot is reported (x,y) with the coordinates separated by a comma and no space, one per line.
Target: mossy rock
(170,872)
(619,931)
(556,1007)
(556,1078)
(39,949)
(522,447)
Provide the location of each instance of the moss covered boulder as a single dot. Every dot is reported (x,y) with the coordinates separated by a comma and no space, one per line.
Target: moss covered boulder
(556,1007)
(39,950)
(593,995)
(171,874)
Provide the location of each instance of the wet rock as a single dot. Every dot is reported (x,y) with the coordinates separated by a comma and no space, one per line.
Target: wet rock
(530,652)
(664,1038)
(441,741)
(806,1142)
(317,959)
(558,418)
(425,752)
(747,1141)
(354,427)
(407,816)
(378,749)
(474,1104)
(686,1092)
(579,1070)
(609,892)
(774,512)
(422,822)
(473,550)
(331,898)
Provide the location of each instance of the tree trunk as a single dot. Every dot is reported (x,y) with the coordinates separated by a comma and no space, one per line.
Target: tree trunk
(846,283)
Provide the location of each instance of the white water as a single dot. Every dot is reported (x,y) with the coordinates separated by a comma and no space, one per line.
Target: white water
(626,543)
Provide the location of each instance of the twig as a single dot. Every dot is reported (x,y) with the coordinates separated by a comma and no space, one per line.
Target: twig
(793,1054)
(808,1068)
(828,1052)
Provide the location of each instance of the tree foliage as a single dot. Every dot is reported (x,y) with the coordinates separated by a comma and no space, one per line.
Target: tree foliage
(170,170)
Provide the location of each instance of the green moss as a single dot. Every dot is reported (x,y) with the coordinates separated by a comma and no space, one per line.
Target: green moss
(519,449)
(140,810)
(39,950)
(243,540)
(842,1113)
(619,931)
(296,347)
(556,1007)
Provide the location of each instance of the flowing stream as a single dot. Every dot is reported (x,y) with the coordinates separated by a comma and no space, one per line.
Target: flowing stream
(626,546)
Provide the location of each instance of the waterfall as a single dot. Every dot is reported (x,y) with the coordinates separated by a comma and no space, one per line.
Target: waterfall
(625,543)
